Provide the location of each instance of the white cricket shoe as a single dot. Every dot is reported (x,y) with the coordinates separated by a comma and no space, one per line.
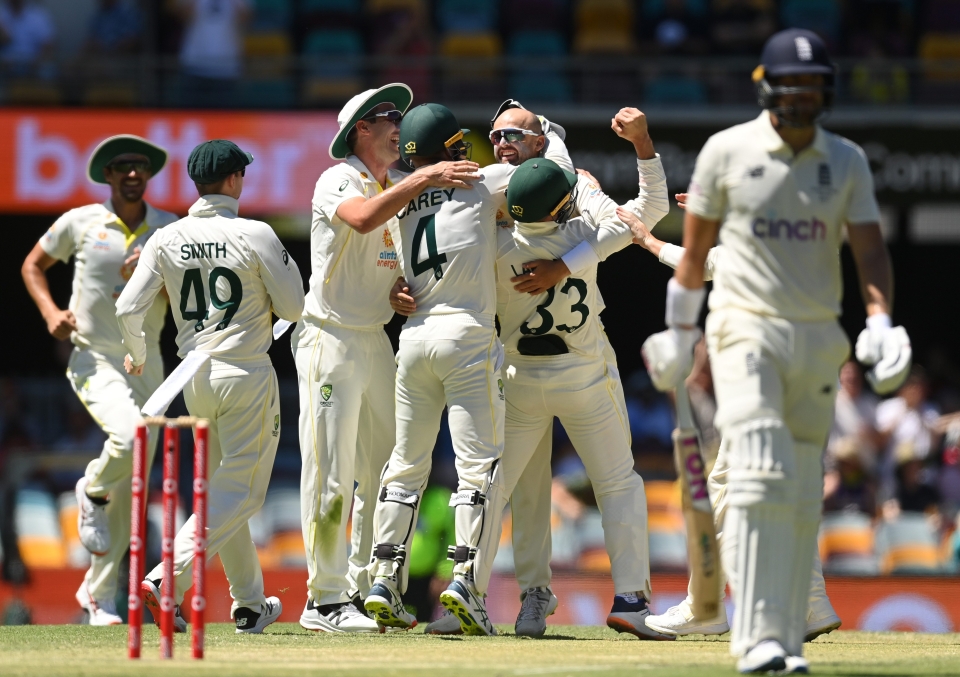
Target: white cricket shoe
(629,614)
(678,620)
(151,600)
(92,521)
(468,607)
(447,624)
(385,606)
(796,665)
(535,605)
(821,626)
(767,656)
(250,622)
(342,617)
(102,611)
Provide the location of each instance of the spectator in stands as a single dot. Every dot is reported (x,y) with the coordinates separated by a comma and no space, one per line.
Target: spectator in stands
(915,493)
(404,31)
(675,26)
(211,54)
(26,39)
(854,418)
(848,486)
(905,424)
(742,26)
(115,28)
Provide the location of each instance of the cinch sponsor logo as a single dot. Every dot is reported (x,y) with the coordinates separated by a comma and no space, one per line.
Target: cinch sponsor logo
(781,229)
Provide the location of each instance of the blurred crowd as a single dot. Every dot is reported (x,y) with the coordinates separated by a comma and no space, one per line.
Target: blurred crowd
(288,53)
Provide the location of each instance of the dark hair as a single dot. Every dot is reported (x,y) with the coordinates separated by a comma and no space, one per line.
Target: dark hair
(215,188)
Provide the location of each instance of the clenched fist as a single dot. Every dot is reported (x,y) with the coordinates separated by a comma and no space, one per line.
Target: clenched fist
(61,324)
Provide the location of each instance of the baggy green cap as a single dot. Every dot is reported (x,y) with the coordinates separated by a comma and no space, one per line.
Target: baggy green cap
(427,129)
(537,188)
(215,160)
(122,144)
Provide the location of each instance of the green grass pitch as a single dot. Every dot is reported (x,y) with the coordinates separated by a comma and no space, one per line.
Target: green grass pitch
(578,651)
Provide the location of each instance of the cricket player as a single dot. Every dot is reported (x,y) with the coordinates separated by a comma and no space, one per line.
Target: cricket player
(345,363)
(449,355)
(779,191)
(224,275)
(679,619)
(105,240)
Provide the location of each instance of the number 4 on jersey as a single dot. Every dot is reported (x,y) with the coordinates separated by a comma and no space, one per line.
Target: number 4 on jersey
(434,259)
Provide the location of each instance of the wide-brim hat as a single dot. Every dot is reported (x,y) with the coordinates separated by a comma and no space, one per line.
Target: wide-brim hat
(396,93)
(121,144)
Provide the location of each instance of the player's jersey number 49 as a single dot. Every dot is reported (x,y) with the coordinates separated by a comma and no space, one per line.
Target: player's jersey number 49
(193,282)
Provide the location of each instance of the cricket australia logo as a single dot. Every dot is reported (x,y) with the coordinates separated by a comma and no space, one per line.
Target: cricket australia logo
(276,425)
(326,392)
(500,387)
(411,147)
(517,210)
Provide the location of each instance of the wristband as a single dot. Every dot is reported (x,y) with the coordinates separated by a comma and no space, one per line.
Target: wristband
(878,322)
(580,258)
(683,305)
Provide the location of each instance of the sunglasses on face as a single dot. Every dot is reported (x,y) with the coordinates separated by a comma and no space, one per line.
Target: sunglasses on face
(388,115)
(126,167)
(510,135)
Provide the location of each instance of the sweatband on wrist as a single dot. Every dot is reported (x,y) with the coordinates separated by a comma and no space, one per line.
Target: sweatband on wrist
(878,322)
(683,305)
(670,254)
(580,258)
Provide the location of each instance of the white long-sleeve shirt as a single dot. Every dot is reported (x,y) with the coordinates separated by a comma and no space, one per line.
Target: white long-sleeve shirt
(223,274)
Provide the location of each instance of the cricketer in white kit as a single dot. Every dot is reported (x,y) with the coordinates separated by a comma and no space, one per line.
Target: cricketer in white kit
(224,275)
(105,241)
(345,363)
(779,190)
(449,356)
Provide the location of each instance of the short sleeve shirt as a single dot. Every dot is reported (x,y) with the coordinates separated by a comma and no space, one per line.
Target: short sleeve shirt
(782,217)
(352,272)
(100,242)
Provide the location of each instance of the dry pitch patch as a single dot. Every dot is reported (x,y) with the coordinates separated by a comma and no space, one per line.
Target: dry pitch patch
(578,651)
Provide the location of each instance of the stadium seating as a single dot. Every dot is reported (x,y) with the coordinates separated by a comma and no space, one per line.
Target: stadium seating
(38,530)
(820,16)
(77,555)
(846,544)
(333,68)
(466,16)
(603,27)
(470,72)
(675,89)
(668,541)
(272,14)
(539,81)
(908,545)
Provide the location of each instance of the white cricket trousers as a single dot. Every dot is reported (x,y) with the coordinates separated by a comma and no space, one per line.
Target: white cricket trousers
(583,393)
(775,383)
(114,399)
(346,378)
(464,376)
(241,402)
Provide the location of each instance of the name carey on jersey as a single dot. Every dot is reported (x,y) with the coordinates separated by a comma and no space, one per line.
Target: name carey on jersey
(425,200)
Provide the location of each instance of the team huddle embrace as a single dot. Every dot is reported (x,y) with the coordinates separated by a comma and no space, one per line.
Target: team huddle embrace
(459,249)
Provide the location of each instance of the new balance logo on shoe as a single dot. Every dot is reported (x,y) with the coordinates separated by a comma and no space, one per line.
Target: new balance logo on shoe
(242,622)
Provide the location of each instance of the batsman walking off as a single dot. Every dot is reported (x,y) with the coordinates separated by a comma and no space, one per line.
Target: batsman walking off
(224,275)
(779,191)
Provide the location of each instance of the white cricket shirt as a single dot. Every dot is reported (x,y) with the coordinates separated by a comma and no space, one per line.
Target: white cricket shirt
(224,275)
(782,216)
(100,243)
(352,273)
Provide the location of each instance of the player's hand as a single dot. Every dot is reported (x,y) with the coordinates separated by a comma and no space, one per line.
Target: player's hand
(681,200)
(630,124)
(887,352)
(133,258)
(455,174)
(593,179)
(61,324)
(641,235)
(130,368)
(669,356)
(539,276)
(400,299)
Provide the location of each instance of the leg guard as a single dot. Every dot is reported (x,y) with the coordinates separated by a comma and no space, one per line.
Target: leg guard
(806,522)
(758,547)
(478,515)
(396,521)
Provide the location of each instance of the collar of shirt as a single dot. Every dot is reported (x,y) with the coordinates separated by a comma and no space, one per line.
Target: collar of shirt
(365,174)
(774,142)
(215,205)
(150,217)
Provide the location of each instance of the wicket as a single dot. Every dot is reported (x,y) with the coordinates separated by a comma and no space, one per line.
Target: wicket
(171,463)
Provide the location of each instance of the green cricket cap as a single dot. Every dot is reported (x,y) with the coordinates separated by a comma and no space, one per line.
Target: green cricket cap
(427,129)
(123,144)
(537,188)
(215,160)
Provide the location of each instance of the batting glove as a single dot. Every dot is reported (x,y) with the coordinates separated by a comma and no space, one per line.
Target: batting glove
(886,350)
(669,356)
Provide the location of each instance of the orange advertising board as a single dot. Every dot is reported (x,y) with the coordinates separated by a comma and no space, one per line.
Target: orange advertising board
(43,169)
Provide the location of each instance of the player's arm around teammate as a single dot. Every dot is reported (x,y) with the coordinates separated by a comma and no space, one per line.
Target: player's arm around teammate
(244,271)
(105,242)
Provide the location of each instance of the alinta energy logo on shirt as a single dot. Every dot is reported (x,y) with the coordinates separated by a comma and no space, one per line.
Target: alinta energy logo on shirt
(388,257)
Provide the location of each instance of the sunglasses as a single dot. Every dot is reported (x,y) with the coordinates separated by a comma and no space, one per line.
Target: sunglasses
(510,135)
(127,167)
(388,115)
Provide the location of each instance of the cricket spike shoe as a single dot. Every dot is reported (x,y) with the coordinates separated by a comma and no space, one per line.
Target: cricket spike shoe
(459,599)
(629,614)
(385,606)
(678,620)
(340,617)
(821,626)
(447,624)
(151,599)
(250,622)
(767,656)
(92,521)
(535,605)
(101,611)
(796,665)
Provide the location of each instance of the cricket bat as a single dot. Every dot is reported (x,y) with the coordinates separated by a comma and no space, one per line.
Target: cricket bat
(702,550)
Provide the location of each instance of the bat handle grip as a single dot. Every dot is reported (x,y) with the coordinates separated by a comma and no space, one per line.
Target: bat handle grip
(684,412)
